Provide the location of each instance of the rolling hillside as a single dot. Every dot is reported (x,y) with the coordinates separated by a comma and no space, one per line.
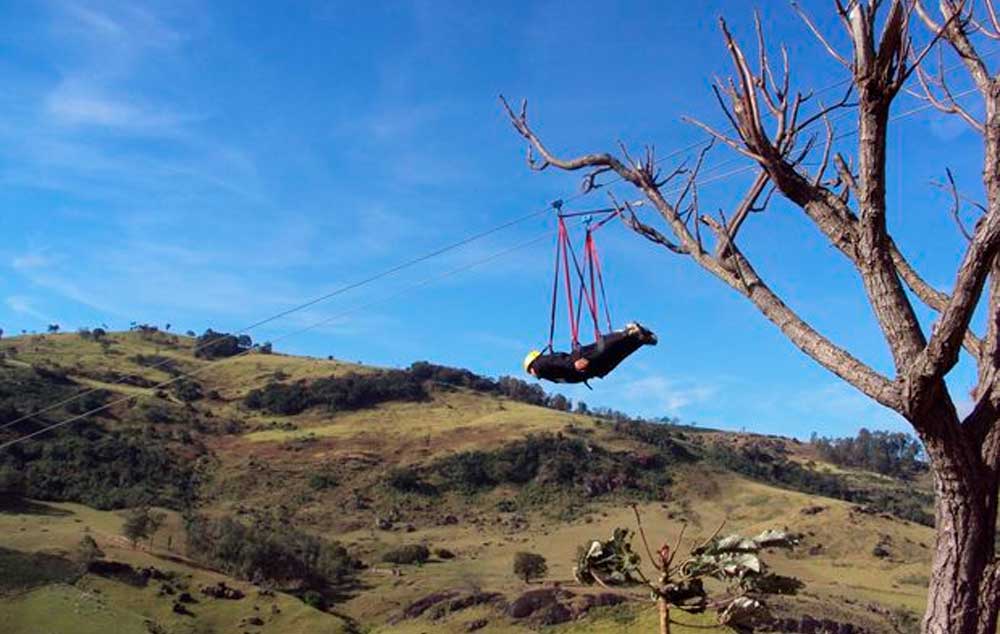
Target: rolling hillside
(327,454)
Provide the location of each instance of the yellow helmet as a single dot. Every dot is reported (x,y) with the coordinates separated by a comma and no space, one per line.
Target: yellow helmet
(534,354)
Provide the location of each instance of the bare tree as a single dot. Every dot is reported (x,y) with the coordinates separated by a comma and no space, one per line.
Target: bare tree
(843,193)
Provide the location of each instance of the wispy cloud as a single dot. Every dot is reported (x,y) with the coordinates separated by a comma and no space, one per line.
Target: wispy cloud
(665,395)
(26,306)
(76,104)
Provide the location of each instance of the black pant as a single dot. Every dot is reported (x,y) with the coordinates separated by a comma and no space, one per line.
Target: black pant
(607,352)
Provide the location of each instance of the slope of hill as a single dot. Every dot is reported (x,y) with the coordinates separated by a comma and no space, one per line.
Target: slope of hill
(305,454)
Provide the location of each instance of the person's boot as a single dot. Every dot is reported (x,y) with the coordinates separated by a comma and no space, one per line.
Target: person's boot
(646,336)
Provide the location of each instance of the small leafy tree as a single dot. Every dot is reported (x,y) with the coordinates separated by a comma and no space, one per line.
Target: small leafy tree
(87,552)
(53,328)
(734,560)
(530,566)
(142,523)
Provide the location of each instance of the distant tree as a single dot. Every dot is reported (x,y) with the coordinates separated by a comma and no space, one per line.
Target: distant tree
(265,348)
(1,333)
(166,327)
(581,408)
(560,402)
(217,345)
(98,334)
(53,328)
(889,453)
(530,566)
(190,333)
(155,523)
(136,526)
(87,552)
(142,523)
(85,333)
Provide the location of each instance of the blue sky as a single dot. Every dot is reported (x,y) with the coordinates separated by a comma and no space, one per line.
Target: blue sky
(212,164)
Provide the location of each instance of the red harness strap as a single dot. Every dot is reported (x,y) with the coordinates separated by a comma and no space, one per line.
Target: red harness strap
(564,244)
(565,252)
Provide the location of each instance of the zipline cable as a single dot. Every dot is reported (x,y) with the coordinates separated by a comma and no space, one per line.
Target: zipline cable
(313,326)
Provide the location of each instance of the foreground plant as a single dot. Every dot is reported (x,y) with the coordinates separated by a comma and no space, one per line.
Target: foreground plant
(733,560)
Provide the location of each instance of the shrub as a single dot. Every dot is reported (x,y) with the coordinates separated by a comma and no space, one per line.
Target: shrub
(107,470)
(408,480)
(409,554)
(337,393)
(322,481)
(314,600)
(529,566)
(443,553)
(87,552)
(278,554)
(219,345)
(187,390)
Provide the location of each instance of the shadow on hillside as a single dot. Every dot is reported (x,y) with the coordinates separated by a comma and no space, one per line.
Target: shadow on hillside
(346,591)
(17,505)
(23,571)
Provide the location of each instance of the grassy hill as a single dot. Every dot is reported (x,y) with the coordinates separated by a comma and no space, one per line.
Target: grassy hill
(309,455)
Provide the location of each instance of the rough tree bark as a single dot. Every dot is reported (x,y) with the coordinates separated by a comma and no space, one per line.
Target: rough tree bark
(845,198)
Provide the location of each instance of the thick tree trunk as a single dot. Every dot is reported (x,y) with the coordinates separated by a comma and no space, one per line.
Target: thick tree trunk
(964,544)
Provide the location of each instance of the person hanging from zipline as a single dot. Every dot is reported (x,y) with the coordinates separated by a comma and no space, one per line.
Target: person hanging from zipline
(609,349)
(595,360)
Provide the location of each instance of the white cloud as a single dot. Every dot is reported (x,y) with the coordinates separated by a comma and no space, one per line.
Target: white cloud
(80,106)
(34,260)
(667,396)
(25,306)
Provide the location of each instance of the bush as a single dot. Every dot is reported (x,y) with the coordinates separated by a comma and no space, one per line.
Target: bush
(314,600)
(529,566)
(408,480)
(410,554)
(87,552)
(107,470)
(343,393)
(555,463)
(187,390)
(219,345)
(443,553)
(278,554)
(323,481)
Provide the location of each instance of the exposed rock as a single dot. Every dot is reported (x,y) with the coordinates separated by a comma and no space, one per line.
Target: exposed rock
(465,602)
(478,624)
(534,601)
(423,604)
(180,608)
(222,591)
